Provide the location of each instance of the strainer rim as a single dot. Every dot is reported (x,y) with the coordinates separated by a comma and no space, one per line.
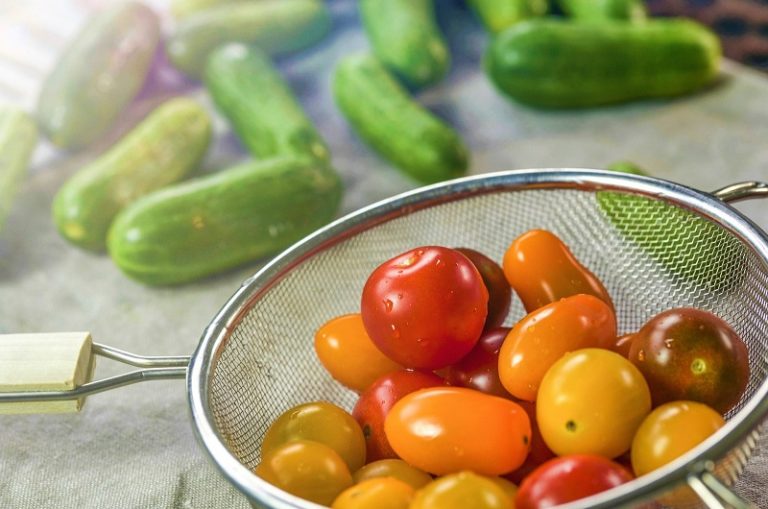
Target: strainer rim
(204,358)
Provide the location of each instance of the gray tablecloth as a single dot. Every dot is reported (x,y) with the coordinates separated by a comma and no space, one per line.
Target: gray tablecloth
(134,447)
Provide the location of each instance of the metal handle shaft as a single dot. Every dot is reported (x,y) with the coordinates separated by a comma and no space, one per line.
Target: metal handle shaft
(742,191)
(715,494)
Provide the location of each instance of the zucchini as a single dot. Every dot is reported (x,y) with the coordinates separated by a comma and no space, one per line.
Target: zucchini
(18,137)
(404,35)
(162,149)
(219,221)
(691,249)
(394,125)
(604,10)
(558,64)
(98,75)
(496,15)
(275,26)
(259,105)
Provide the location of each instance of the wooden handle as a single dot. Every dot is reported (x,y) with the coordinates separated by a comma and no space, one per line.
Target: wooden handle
(59,361)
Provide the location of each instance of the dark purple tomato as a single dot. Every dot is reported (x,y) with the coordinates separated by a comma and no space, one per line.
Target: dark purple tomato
(499,291)
(479,369)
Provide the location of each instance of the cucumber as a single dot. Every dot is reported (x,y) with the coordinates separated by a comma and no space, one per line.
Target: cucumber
(213,223)
(398,128)
(259,105)
(276,26)
(496,15)
(18,137)
(184,8)
(604,10)
(162,149)
(559,64)
(404,35)
(98,75)
(690,248)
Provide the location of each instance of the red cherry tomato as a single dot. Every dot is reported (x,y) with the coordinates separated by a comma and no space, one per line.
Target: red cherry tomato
(479,369)
(376,402)
(569,478)
(690,354)
(425,308)
(541,270)
(539,452)
(542,337)
(499,291)
(443,430)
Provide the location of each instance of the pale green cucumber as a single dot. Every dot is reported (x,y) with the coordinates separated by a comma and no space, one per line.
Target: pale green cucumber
(18,137)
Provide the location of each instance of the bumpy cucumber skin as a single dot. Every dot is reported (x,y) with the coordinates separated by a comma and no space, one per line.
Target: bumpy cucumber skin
(98,75)
(405,37)
(557,64)
(162,149)
(18,137)
(275,26)
(213,223)
(259,104)
(496,15)
(604,10)
(394,125)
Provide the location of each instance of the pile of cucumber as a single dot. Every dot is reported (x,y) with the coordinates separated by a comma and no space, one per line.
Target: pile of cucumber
(136,202)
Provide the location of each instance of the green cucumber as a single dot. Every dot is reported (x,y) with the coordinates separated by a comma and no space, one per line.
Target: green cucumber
(690,248)
(404,35)
(275,26)
(161,150)
(496,15)
(604,10)
(393,124)
(18,137)
(559,64)
(259,105)
(217,222)
(98,75)
(185,8)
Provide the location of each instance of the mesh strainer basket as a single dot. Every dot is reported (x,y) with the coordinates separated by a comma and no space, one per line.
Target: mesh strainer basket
(654,244)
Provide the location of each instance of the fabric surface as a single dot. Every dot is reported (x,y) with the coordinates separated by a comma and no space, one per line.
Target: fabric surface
(134,447)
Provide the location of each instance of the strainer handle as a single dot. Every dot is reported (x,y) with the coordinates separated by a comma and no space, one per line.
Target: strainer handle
(51,373)
(742,191)
(715,494)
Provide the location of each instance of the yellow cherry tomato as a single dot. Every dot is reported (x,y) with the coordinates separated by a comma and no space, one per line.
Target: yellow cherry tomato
(377,493)
(347,352)
(310,470)
(322,422)
(670,431)
(462,490)
(395,468)
(591,401)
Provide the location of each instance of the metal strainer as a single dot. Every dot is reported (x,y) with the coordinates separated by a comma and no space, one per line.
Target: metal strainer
(654,244)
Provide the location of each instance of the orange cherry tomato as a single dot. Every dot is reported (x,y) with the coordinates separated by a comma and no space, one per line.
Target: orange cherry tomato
(443,430)
(670,431)
(377,493)
(395,468)
(347,352)
(541,269)
(592,401)
(310,470)
(543,336)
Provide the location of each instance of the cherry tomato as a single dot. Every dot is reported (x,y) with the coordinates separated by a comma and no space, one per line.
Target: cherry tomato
(395,468)
(376,402)
(425,308)
(539,452)
(448,429)
(690,354)
(670,431)
(479,369)
(541,270)
(623,344)
(310,470)
(569,478)
(543,336)
(507,487)
(499,291)
(378,493)
(320,422)
(462,490)
(592,401)
(344,338)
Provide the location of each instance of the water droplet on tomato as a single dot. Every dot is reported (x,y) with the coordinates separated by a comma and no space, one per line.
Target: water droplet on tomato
(388,305)
(641,355)
(395,331)
(400,296)
(668,342)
